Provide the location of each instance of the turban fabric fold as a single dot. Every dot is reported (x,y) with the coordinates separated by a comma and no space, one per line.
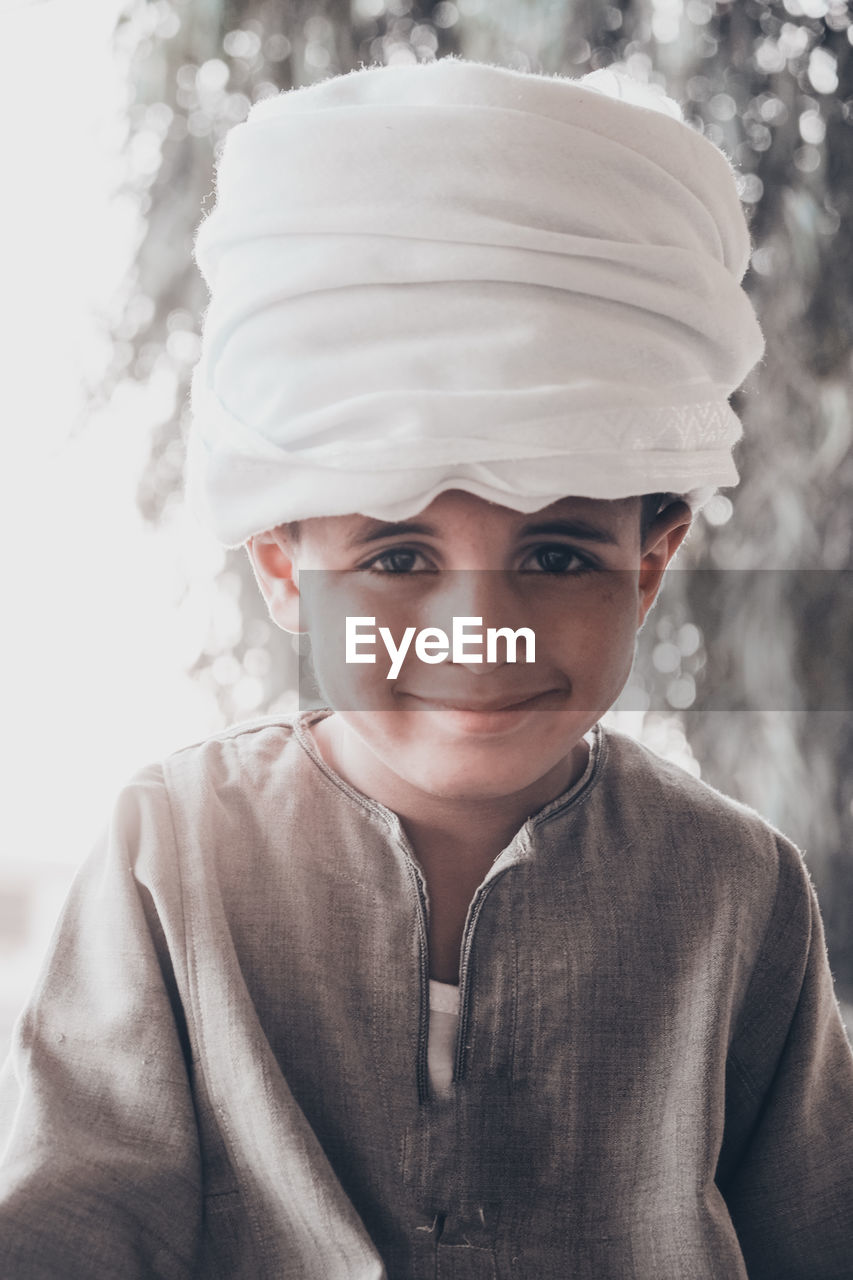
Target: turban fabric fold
(456,276)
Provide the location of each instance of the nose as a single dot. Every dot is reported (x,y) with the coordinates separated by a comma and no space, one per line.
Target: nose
(482,594)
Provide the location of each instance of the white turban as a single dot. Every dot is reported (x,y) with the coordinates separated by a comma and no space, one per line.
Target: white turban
(455,276)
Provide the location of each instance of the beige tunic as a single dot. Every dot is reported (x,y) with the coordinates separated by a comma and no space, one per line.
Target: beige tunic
(223,1071)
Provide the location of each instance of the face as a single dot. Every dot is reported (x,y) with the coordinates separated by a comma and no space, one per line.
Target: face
(574,573)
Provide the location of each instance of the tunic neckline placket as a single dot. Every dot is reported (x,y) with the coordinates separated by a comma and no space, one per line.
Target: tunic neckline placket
(519,849)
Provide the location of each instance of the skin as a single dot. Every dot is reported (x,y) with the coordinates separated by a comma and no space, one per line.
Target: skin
(463,778)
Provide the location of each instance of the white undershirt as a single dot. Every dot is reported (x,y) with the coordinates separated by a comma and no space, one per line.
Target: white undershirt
(441,1048)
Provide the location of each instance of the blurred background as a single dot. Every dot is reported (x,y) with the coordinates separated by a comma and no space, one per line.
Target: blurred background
(128,633)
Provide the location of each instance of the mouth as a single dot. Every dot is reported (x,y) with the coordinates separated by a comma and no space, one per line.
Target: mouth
(496,713)
(509,703)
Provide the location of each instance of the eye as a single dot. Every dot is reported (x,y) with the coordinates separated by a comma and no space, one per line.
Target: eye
(398,561)
(556,559)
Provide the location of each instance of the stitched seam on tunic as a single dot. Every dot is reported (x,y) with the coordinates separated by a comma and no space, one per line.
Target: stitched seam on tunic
(577,794)
(742,1070)
(237,730)
(306,742)
(744,1076)
(585,785)
(191,960)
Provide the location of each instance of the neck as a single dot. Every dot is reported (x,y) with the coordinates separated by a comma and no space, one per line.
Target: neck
(472,828)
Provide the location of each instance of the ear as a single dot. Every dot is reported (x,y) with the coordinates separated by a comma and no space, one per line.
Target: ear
(274,566)
(661,542)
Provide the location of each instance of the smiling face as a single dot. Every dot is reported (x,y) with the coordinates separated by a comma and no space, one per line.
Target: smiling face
(574,573)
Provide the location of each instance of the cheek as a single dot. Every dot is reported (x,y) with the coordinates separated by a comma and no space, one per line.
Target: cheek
(353,686)
(594,627)
(356,684)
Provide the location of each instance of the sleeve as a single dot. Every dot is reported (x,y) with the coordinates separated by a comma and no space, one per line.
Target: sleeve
(786,1166)
(99,1150)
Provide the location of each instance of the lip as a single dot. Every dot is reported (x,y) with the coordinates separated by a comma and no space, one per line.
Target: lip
(510,703)
(497,716)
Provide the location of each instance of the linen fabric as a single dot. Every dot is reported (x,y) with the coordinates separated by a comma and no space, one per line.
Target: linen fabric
(454,275)
(222,1072)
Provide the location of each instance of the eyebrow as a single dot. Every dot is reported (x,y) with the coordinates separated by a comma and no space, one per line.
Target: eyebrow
(398,530)
(579,529)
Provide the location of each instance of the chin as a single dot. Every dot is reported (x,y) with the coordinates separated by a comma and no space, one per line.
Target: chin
(478,775)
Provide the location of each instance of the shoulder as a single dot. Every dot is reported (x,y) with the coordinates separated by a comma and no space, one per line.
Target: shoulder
(667,795)
(243,753)
(224,780)
(253,741)
(199,824)
(735,888)
(697,830)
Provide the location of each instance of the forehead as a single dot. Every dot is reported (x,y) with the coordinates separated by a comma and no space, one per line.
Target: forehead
(456,513)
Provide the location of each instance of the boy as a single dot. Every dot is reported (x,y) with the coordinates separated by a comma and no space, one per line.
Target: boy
(444,979)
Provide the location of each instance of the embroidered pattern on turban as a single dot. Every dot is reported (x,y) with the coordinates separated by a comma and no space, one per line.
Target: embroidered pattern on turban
(456,276)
